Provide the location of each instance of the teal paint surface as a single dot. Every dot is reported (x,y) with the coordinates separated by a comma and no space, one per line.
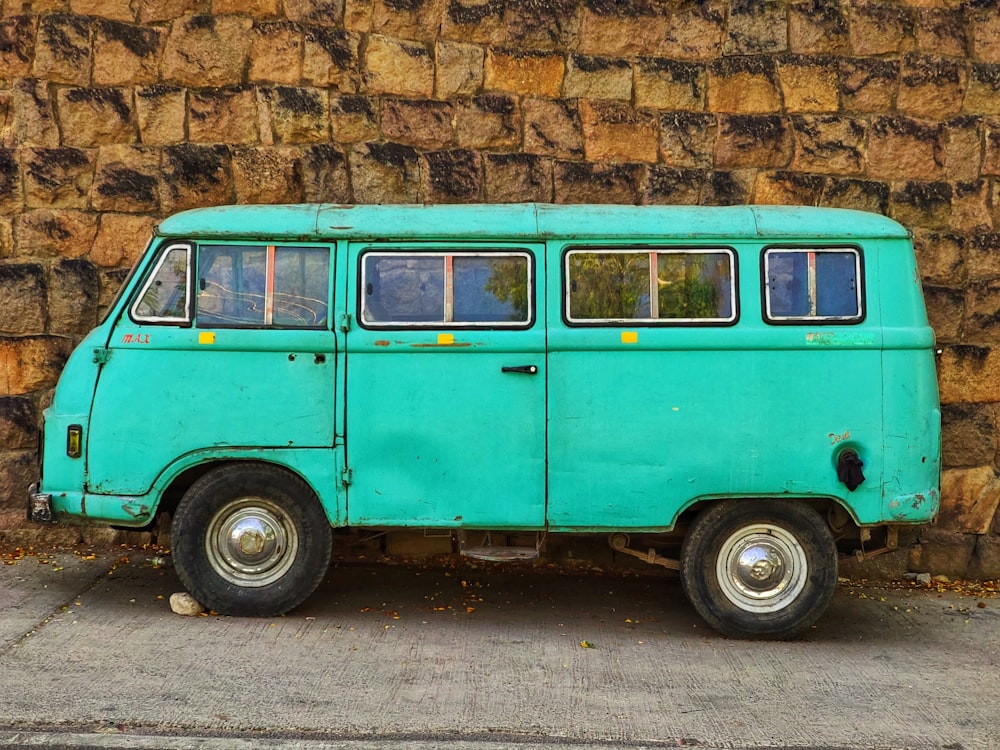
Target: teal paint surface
(613,431)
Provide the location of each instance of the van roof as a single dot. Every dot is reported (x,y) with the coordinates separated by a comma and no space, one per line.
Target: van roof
(321,221)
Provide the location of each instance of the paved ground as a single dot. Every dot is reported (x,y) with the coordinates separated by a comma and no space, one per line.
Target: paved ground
(477,657)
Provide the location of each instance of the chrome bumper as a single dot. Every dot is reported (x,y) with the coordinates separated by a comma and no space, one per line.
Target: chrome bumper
(39,505)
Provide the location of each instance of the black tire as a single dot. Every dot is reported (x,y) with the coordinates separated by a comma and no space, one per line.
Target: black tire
(759,569)
(251,539)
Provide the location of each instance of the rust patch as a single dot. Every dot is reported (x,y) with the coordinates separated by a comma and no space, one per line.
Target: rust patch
(382,342)
(434,345)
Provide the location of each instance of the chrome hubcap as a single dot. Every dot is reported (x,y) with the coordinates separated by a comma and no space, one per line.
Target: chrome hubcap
(251,542)
(761,568)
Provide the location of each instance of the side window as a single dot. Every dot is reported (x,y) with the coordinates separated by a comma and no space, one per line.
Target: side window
(813,284)
(262,286)
(658,285)
(165,297)
(489,289)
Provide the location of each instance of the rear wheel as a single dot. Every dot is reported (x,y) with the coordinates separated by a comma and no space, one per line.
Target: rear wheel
(251,539)
(759,569)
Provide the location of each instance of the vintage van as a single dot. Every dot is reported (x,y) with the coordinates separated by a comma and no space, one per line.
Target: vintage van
(739,393)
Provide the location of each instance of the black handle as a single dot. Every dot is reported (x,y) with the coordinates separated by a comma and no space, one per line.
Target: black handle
(523,369)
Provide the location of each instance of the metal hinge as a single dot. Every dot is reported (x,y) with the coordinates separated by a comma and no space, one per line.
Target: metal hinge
(346,475)
(345,322)
(102,356)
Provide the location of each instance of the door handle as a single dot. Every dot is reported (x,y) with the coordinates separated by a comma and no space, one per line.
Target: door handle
(523,369)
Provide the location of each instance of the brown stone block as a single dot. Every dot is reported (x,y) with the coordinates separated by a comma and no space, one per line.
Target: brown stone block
(17,46)
(95,117)
(276,52)
(6,120)
(694,31)
(879,29)
(454,176)
(161,112)
(423,123)
(969,374)
(195,176)
(385,173)
(763,141)
(34,121)
(743,85)
(527,73)
(982,256)
(125,54)
(489,121)
(598,78)
(62,49)
(986,35)
(668,186)
(6,236)
(459,69)
(152,11)
(940,257)
(120,239)
(972,497)
(616,132)
(828,144)
(267,174)
(809,84)
(869,84)
(991,154)
(970,207)
(411,19)
(727,188)
(330,58)
(552,128)
(932,88)
(392,66)
(982,309)
(11,194)
(117,10)
(320,12)
(18,423)
(353,119)
(22,289)
(756,27)
(670,85)
(324,175)
(942,552)
(476,21)
(358,15)
(46,233)
(622,32)
(31,363)
(18,469)
(817,27)
(946,312)
(224,115)
(298,114)
(255,8)
(963,138)
(922,204)
(57,177)
(127,180)
(985,562)
(982,97)
(788,189)
(74,289)
(582,182)
(900,148)
(207,51)
(942,31)
(687,139)
(517,178)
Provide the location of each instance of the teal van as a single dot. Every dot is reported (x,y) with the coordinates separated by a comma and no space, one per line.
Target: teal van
(741,394)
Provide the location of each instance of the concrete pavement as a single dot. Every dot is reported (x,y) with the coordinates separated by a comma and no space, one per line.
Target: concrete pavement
(471,657)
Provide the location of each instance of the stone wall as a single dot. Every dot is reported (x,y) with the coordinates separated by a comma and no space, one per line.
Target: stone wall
(114,113)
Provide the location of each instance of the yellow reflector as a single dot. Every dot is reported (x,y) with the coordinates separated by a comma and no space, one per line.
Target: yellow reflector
(206,337)
(446,338)
(74,441)
(630,337)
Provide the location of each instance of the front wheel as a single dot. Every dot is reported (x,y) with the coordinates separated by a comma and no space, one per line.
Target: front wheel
(759,569)
(251,539)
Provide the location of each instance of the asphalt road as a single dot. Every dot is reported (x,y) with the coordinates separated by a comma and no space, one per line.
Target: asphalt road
(473,657)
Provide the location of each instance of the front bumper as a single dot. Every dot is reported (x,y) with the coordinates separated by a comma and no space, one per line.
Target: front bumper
(39,505)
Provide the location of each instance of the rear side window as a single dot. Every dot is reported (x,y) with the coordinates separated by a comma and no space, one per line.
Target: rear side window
(441,289)
(262,286)
(813,284)
(659,285)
